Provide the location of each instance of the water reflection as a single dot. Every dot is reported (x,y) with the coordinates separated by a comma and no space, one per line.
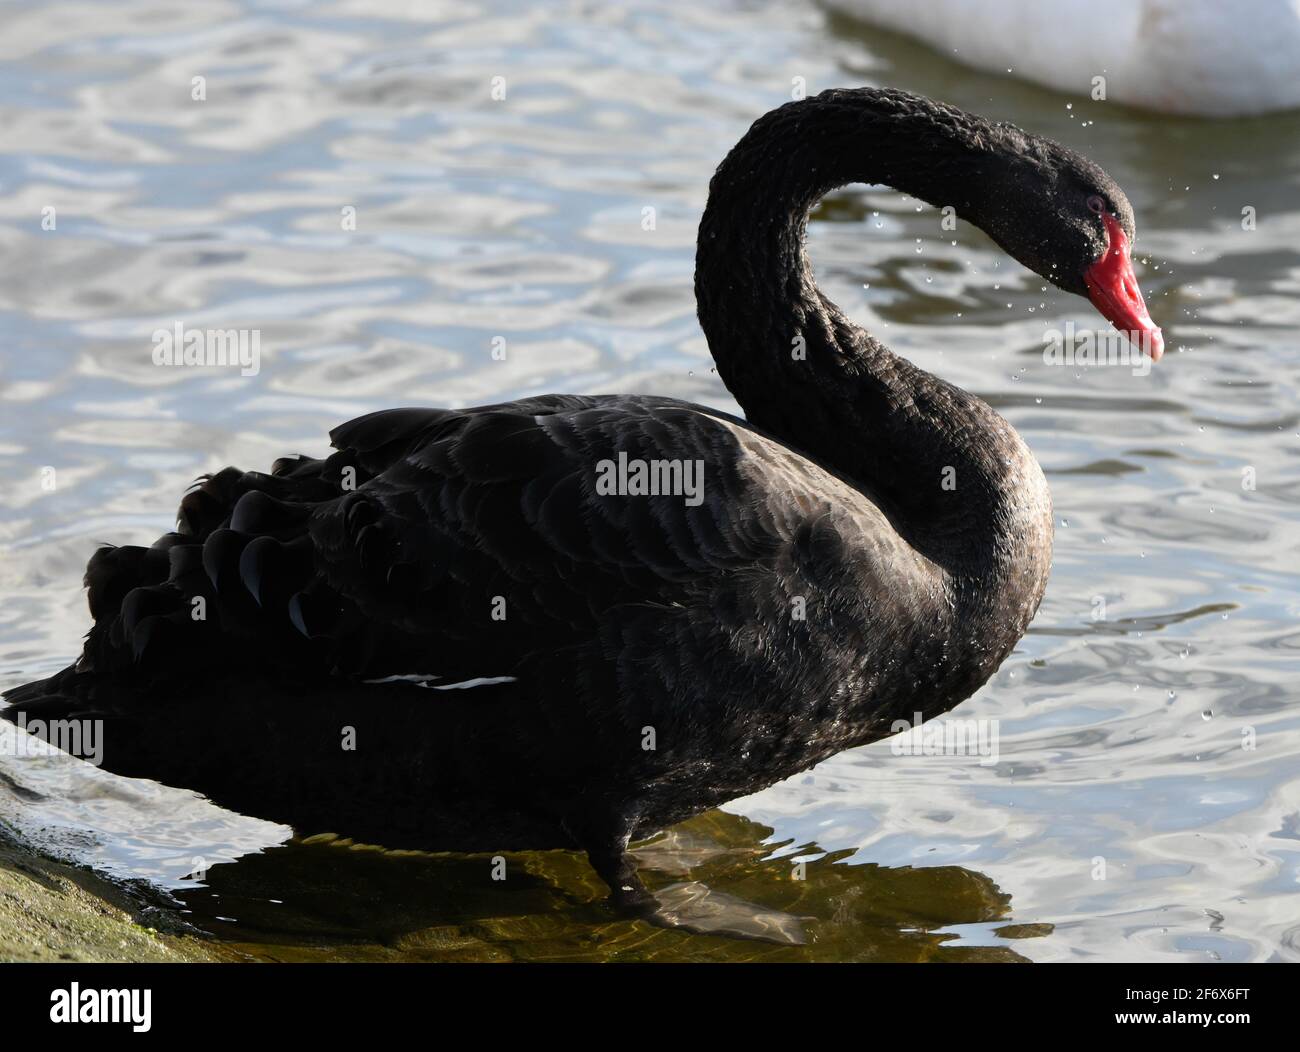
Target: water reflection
(337,901)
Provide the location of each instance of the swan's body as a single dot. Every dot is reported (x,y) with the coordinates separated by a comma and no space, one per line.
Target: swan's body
(871,543)
(1201,57)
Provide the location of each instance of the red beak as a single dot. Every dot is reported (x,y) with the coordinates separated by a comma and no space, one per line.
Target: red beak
(1114,292)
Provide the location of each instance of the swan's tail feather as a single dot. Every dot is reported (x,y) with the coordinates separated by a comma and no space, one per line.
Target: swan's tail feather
(233,591)
(248,587)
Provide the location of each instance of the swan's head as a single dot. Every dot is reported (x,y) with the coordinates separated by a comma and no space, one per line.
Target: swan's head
(1067,220)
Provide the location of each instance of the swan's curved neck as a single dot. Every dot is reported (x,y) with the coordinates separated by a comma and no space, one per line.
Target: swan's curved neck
(952,475)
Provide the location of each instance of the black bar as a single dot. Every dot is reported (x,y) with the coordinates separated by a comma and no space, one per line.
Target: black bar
(478,1001)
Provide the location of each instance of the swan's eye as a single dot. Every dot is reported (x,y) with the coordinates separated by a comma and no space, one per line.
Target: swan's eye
(1096,204)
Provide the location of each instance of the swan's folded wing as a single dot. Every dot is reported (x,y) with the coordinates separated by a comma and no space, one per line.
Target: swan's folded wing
(470,543)
(487,535)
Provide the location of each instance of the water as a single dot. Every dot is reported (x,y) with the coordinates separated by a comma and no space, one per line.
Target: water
(1122,730)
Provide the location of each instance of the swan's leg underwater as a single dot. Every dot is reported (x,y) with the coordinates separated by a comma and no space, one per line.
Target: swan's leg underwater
(690,906)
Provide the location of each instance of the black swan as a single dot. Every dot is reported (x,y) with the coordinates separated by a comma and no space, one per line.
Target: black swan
(459,632)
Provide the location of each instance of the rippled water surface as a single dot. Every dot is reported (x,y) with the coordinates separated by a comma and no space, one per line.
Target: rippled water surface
(1146,802)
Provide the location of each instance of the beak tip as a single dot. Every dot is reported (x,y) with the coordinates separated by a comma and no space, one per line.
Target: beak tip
(1157,345)
(1115,293)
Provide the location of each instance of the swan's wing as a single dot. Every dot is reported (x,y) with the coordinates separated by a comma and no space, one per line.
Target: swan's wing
(464,543)
(487,536)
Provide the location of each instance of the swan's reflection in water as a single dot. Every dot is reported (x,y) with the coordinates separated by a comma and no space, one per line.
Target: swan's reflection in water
(329,900)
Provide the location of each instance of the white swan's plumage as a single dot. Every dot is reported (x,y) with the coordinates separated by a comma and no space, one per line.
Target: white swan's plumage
(1204,57)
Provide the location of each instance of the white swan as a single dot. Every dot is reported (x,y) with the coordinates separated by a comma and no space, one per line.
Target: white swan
(1209,57)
